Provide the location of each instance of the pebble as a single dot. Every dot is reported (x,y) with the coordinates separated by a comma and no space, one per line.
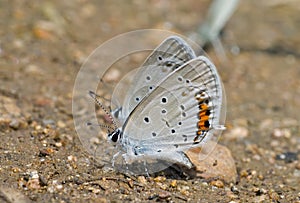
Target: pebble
(288,157)
(61,124)
(277,132)
(130,183)
(164,195)
(173,183)
(142,179)
(236,133)
(48,122)
(217,183)
(34,70)
(244,173)
(159,179)
(217,164)
(274,196)
(234,189)
(298,165)
(162,185)
(231,195)
(46,152)
(8,106)
(33,182)
(72,158)
(14,124)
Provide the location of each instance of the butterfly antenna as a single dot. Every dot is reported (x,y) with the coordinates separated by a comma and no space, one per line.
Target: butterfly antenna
(100,125)
(95,96)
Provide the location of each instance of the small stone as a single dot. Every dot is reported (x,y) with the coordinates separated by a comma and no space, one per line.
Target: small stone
(298,166)
(46,152)
(33,183)
(260,177)
(243,173)
(59,187)
(236,133)
(130,183)
(205,161)
(58,144)
(5,121)
(16,169)
(173,183)
(159,179)
(61,124)
(14,124)
(274,196)
(234,189)
(288,157)
(231,195)
(261,198)
(33,174)
(38,127)
(217,183)
(33,69)
(162,186)
(142,179)
(282,133)
(164,195)
(275,143)
(72,158)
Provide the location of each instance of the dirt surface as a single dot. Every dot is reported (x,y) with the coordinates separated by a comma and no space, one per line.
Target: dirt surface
(42,47)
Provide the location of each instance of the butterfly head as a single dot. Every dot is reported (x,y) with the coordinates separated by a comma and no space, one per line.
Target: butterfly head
(115,135)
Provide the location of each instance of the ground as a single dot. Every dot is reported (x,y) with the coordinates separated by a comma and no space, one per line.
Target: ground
(44,44)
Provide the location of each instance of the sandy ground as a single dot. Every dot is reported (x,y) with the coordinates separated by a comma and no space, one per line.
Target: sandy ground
(42,47)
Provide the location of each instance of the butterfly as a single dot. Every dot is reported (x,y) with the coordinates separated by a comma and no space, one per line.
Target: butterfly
(176,101)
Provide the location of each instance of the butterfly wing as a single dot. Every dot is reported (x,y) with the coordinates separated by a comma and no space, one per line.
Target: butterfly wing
(169,55)
(181,112)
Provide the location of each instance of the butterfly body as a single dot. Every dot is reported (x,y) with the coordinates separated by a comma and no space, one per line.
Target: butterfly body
(175,103)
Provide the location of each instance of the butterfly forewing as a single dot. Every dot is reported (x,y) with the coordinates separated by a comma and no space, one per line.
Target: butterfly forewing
(170,55)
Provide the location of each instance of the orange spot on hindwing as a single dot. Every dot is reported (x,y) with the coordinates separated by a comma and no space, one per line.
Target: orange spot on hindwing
(203,115)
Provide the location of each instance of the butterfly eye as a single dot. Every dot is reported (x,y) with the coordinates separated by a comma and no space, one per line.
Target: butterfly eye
(114,136)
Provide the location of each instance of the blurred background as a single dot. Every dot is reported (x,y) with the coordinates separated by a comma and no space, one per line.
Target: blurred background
(44,43)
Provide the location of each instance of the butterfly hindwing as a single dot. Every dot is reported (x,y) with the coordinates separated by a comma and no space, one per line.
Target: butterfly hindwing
(180,112)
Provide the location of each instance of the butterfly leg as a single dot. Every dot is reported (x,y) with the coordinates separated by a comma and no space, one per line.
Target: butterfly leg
(146,169)
(127,160)
(113,159)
